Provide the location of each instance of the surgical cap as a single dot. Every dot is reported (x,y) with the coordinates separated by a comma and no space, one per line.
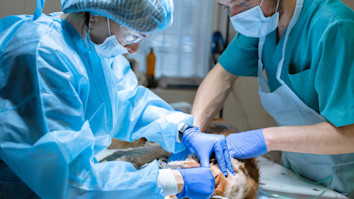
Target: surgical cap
(144,16)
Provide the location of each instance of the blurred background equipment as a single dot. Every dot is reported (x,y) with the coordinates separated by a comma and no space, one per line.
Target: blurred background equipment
(150,69)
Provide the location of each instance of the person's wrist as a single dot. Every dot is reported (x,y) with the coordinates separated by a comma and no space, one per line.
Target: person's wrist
(269,138)
(166,180)
(184,131)
(179,180)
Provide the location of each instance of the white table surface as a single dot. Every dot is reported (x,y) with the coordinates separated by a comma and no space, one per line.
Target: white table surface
(276,179)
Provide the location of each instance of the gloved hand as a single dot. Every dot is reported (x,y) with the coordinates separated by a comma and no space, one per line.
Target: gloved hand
(203,145)
(199,183)
(247,144)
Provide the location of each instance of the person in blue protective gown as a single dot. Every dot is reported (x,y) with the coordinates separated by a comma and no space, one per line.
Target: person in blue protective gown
(306,48)
(66,90)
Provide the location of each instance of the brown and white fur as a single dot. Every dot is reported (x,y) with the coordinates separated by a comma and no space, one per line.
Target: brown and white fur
(242,185)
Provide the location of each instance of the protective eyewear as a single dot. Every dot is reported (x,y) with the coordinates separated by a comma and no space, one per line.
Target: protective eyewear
(129,36)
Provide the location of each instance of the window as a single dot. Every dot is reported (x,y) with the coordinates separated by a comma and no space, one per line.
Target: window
(183,50)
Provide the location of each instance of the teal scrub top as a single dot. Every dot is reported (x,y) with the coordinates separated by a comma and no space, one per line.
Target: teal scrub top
(319,59)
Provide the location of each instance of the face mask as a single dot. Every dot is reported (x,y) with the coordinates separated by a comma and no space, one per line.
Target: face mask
(253,23)
(109,48)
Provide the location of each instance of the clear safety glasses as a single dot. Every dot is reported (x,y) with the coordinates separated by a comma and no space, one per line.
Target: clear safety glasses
(129,36)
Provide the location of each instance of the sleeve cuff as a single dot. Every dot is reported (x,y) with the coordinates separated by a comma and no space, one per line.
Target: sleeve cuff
(179,126)
(167,182)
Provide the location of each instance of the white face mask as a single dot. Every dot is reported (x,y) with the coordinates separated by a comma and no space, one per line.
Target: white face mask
(109,48)
(253,23)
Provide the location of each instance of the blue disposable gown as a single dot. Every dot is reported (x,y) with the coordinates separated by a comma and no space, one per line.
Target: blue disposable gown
(60,105)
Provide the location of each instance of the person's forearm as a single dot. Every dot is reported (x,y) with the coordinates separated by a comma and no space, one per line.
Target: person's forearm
(211,95)
(322,138)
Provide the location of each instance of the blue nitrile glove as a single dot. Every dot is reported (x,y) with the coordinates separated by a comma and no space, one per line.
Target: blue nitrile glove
(203,145)
(179,156)
(247,144)
(199,183)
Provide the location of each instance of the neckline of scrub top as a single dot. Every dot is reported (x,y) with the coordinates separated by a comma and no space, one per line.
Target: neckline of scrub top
(276,46)
(271,56)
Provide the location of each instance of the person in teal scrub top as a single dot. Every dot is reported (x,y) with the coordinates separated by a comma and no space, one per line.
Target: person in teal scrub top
(306,48)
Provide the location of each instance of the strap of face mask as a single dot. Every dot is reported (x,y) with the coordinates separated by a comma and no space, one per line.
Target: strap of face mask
(276,9)
(89,26)
(109,27)
(260,5)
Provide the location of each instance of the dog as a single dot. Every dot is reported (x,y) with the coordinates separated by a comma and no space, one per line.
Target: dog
(242,185)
